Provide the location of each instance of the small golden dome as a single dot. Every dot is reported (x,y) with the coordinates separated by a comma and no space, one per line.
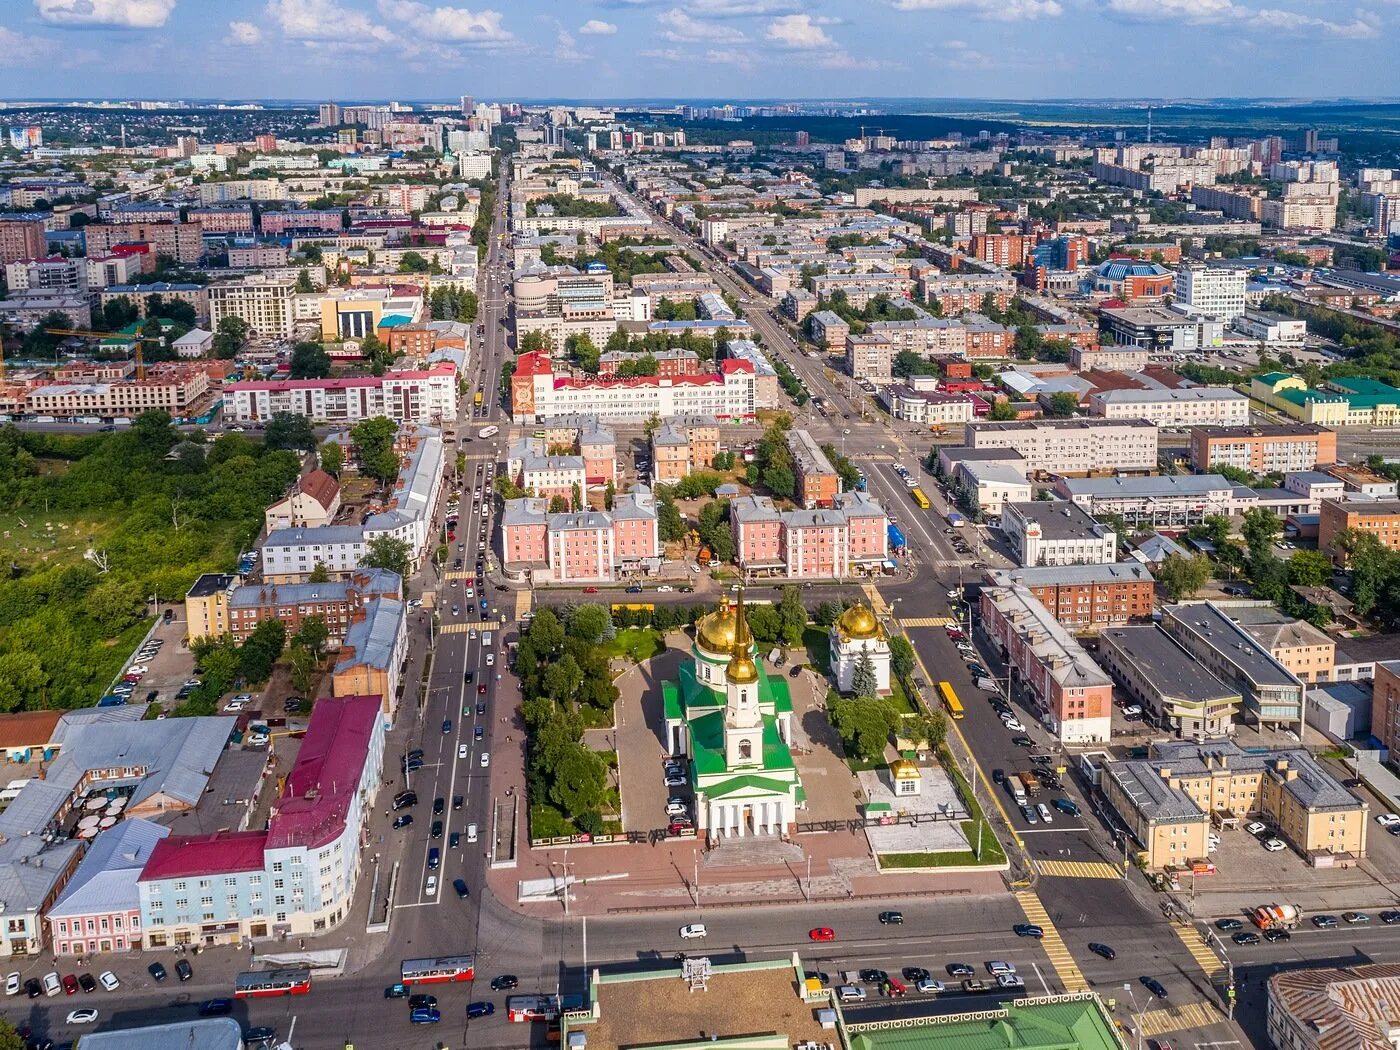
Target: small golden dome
(741,670)
(903,769)
(715,632)
(859,622)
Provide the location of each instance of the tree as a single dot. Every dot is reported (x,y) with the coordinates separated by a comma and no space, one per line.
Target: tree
(413,262)
(609,494)
(373,440)
(558,505)
(764,623)
(1001,411)
(319,574)
(826,613)
(792,615)
(546,632)
(302,665)
(532,341)
(1062,405)
(286,430)
(589,623)
(901,656)
(1183,577)
(9,1038)
(377,353)
(779,480)
(562,678)
(312,635)
(389,553)
(575,497)
(864,682)
(580,780)
(258,654)
(115,605)
(304,284)
(332,458)
(1309,568)
(1259,528)
(1215,529)
(928,726)
(230,336)
(310,361)
(670,524)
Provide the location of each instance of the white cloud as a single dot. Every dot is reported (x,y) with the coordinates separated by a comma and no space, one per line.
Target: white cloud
(995,10)
(126,14)
(448,25)
(799,32)
(326,20)
(721,8)
(1214,12)
(244,33)
(596,27)
(17,49)
(680,28)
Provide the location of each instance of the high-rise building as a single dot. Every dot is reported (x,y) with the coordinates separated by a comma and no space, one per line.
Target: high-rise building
(468,105)
(1216,292)
(802,138)
(329,114)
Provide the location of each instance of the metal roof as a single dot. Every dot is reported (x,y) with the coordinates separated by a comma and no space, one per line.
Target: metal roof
(105,880)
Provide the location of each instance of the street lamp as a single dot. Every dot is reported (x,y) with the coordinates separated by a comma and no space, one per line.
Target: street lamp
(1137,1026)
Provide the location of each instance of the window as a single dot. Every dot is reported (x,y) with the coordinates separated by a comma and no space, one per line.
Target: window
(181,904)
(179,886)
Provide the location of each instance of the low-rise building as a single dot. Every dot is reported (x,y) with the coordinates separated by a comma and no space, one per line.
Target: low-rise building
(313,501)
(995,484)
(1072,446)
(1125,358)
(1331,1008)
(1057,532)
(1165,501)
(682,446)
(1380,518)
(1304,651)
(219,604)
(100,908)
(818,482)
(932,408)
(1150,328)
(1263,449)
(1085,597)
(1171,687)
(373,653)
(530,466)
(1188,406)
(1273,695)
(1385,704)
(176,388)
(1054,674)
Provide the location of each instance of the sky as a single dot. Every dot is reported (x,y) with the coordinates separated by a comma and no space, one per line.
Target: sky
(672,49)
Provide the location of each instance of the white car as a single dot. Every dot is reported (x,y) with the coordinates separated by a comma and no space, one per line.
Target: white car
(1132,711)
(244,697)
(84,1015)
(1044,811)
(1255,828)
(12,983)
(929,986)
(1014,724)
(137,669)
(236,705)
(1275,845)
(693,931)
(430,888)
(485,759)
(964,647)
(461,751)
(1387,820)
(490,659)
(109,980)
(955,594)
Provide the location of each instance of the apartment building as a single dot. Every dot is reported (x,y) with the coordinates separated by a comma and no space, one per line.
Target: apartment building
(218,604)
(1381,518)
(1167,683)
(1188,406)
(932,408)
(57,275)
(850,537)
(956,293)
(373,655)
(818,483)
(1047,667)
(860,288)
(938,337)
(584,546)
(681,446)
(828,329)
(300,221)
(1170,799)
(141,295)
(1267,449)
(530,465)
(23,237)
(182,241)
(1006,250)
(313,501)
(1086,597)
(1056,533)
(237,219)
(266,306)
(1385,704)
(1155,502)
(1072,446)
(869,357)
(538,392)
(1272,694)
(1215,292)
(425,396)
(1109,358)
(169,387)
(1322,1007)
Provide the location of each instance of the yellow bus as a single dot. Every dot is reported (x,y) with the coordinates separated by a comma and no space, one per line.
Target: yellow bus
(477,399)
(955,707)
(918,496)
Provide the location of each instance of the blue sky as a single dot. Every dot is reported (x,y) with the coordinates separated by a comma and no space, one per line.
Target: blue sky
(347,49)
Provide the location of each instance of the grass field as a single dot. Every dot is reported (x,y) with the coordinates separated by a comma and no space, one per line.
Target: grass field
(50,539)
(636,643)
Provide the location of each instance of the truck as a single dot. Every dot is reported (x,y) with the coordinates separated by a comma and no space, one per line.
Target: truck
(1277,916)
(1030,782)
(1018,793)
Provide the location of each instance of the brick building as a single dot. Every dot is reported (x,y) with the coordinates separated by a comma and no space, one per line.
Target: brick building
(1084,597)
(817,480)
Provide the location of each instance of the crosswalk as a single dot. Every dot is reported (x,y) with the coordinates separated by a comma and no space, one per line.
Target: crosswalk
(1065,967)
(1204,955)
(1182,1017)
(458,574)
(473,625)
(475,456)
(523,602)
(1077,869)
(926,621)
(878,604)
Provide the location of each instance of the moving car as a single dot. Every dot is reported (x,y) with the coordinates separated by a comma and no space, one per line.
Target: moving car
(1228,924)
(480,1009)
(1102,950)
(1028,929)
(1356,918)
(460,885)
(1154,986)
(1277,933)
(1246,937)
(693,931)
(892,918)
(928,986)
(403,820)
(86,1015)
(505,982)
(1324,922)
(821,933)
(215,1007)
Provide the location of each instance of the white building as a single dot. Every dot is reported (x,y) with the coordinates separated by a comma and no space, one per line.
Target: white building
(265,305)
(1168,501)
(474,165)
(995,484)
(1184,407)
(1072,446)
(1057,532)
(1215,292)
(1271,327)
(859,634)
(58,275)
(426,396)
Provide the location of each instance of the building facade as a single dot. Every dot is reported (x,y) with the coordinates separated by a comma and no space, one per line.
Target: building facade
(1057,533)
(1266,449)
(1072,446)
(1086,597)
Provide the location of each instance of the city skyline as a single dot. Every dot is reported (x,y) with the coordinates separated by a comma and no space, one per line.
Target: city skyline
(610,49)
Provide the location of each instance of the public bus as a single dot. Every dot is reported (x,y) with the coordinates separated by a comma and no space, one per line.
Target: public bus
(955,707)
(477,398)
(524,1008)
(259,984)
(438,971)
(917,495)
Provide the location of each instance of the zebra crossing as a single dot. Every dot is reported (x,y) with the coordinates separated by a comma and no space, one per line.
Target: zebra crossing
(1078,869)
(926,621)
(1204,955)
(1054,945)
(1180,1018)
(473,625)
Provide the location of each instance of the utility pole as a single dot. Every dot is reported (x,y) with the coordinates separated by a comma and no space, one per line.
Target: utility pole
(697,882)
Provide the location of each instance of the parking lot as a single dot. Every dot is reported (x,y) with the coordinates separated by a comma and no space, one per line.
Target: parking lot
(170,668)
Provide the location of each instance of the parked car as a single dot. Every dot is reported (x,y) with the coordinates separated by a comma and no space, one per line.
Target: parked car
(157,971)
(821,933)
(480,1009)
(85,1015)
(87,982)
(183,970)
(396,991)
(892,918)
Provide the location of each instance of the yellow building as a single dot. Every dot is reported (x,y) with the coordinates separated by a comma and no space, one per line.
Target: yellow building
(1308,653)
(1169,800)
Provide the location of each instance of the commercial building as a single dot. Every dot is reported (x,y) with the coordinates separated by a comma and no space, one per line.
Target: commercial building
(1170,799)
(1150,328)
(994,483)
(1072,446)
(1216,292)
(1047,667)
(767,391)
(100,908)
(1057,533)
(298,876)
(1168,501)
(1113,358)
(1331,1008)
(373,654)
(1166,681)
(1267,449)
(538,392)
(818,483)
(1270,327)
(1188,406)
(1085,597)
(932,408)
(265,306)
(582,546)
(682,446)
(1385,704)
(1307,653)
(169,387)
(1132,280)
(849,538)
(207,1033)
(354,313)
(1380,518)
(426,396)
(1272,694)
(218,604)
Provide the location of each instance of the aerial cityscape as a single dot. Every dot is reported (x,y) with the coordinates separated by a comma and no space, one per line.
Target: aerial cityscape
(635,525)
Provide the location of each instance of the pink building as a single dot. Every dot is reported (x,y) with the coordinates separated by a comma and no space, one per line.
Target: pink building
(850,538)
(525,532)
(223,220)
(582,547)
(758,533)
(298,220)
(868,527)
(814,544)
(99,909)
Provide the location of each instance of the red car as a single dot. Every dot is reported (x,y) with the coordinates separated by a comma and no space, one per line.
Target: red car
(822,933)
(481,689)
(70,984)
(590,590)
(677,826)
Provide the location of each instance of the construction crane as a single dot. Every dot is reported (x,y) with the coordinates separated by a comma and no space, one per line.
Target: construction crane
(137,339)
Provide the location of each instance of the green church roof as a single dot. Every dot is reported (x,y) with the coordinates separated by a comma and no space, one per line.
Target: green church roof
(707,745)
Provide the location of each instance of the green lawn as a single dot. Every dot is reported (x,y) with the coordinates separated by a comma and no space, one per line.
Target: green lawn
(56,538)
(636,643)
(991,855)
(818,644)
(900,698)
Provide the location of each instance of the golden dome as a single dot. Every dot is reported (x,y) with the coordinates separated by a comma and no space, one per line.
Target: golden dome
(741,670)
(715,632)
(903,769)
(859,622)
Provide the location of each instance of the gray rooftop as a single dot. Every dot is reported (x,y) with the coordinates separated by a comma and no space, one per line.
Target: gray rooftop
(1181,485)
(1313,787)
(370,641)
(1051,575)
(1058,519)
(210,1033)
(324,535)
(1207,622)
(105,880)
(1166,665)
(753,508)
(1154,797)
(1194,393)
(526,511)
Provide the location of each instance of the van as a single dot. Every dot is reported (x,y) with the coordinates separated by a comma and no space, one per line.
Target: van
(471,832)
(851,993)
(486,637)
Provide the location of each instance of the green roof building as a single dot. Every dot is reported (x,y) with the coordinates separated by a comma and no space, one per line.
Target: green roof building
(1077,1022)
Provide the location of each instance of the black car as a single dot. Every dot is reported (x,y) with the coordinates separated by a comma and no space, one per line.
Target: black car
(403,820)
(405,798)
(1276,934)
(469,676)
(1227,925)
(460,885)
(157,971)
(260,1034)
(183,970)
(505,982)
(1390,918)
(422,1002)
(215,1007)
(872,976)
(1154,986)
(456,801)
(87,982)
(439,804)
(915,974)
(1103,950)
(436,831)
(1028,929)
(820,976)
(958,969)
(892,918)
(1023,741)
(1246,937)
(33,988)
(480,709)
(998,776)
